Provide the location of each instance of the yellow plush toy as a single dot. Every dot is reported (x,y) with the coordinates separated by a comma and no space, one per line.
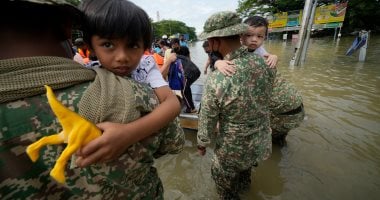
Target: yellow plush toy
(76,132)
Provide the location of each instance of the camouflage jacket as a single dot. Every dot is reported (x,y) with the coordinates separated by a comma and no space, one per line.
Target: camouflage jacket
(285,106)
(132,176)
(239,102)
(285,96)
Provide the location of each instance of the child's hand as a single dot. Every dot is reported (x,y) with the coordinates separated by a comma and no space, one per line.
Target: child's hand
(226,67)
(271,60)
(109,146)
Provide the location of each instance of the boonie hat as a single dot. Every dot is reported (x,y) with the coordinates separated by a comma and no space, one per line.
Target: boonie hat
(222,24)
(51,2)
(72,8)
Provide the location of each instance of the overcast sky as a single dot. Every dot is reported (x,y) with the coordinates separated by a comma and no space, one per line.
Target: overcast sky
(193,13)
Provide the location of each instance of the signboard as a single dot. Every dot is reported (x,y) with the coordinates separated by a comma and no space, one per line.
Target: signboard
(293,18)
(327,16)
(334,25)
(278,20)
(330,13)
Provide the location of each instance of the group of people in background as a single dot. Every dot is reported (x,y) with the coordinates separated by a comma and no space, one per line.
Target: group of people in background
(130,98)
(170,56)
(177,68)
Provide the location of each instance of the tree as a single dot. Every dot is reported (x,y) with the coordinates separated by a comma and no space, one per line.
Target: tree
(259,7)
(74,2)
(362,14)
(170,27)
(254,7)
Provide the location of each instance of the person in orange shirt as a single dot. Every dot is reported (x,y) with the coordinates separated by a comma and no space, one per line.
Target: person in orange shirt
(83,50)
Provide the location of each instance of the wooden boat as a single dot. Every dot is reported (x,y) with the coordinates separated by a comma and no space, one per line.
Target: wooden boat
(190,120)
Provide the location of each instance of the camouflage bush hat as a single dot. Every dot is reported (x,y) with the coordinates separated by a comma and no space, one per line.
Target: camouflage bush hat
(52,2)
(67,5)
(223,24)
(72,8)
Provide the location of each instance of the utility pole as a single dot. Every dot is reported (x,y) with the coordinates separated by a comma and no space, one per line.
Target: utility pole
(158,16)
(302,33)
(308,33)
(364,35)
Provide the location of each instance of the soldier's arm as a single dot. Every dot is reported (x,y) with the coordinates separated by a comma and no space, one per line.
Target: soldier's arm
(209,113)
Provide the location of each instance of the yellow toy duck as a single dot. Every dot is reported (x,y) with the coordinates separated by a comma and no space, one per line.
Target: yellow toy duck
(76,132)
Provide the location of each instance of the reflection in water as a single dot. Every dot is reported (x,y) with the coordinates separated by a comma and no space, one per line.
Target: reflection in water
(335,152)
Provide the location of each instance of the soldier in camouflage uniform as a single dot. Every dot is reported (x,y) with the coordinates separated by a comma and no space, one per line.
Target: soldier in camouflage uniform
(239,103)
(99,96)
(286,103)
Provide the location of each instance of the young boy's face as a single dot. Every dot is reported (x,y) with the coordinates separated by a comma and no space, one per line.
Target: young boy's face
(117,55)
(254,37)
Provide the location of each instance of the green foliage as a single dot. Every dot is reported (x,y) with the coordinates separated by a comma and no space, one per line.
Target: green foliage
(288,5)
(257,7)
(254,7)
(362,14)
(75,2)
(171,27)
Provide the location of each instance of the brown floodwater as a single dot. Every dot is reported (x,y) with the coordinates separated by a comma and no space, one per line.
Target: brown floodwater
(334,154)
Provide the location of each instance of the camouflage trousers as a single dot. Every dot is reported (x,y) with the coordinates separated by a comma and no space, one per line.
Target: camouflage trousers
(234,156)
(229,184)
(148,187)
(282,123)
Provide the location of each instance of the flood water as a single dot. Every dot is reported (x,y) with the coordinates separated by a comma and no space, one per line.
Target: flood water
(333,155)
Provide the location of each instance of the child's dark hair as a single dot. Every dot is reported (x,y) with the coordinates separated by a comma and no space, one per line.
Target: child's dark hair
(116,19)
(164,43)
(257,21)
(174,41)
